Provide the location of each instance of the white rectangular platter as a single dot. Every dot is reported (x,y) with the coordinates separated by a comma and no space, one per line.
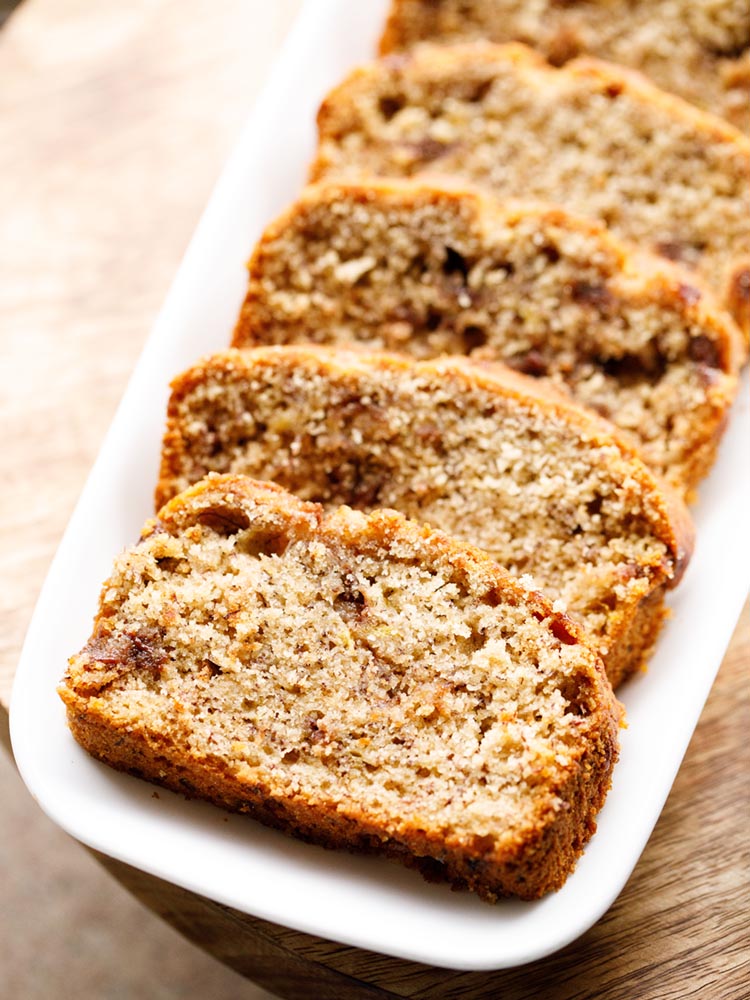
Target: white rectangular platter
(360,901)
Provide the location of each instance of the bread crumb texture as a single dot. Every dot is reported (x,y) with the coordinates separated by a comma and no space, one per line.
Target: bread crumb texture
(359,681)
(486,455)
(433,270)
(592,136)
(699,49)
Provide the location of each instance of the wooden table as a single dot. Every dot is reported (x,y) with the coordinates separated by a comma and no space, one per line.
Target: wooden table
(114,122)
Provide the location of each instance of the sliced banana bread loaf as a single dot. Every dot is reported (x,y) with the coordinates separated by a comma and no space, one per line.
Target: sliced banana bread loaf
(431,270)
(486,455)
(358,681)
(700,51)
(593,137)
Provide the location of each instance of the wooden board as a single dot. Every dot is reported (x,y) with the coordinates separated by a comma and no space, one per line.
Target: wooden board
(114,122)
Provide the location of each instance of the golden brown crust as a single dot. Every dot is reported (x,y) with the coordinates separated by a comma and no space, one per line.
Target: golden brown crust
(540,864)
(524,858)
(637,637)
(301,288)
(738,292)
(630,629)
(438,91)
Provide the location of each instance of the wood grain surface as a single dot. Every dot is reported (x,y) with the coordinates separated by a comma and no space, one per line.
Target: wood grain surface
(114,122)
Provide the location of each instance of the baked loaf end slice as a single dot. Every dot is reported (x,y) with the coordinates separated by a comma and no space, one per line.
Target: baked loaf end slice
(700,51)
(358,681)
(591,136)
(433,270)
(488,456)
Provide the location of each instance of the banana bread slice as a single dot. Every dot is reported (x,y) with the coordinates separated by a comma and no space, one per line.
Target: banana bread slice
(358,681)
(433,270)
(598,139)
(700,51)
(489,456)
